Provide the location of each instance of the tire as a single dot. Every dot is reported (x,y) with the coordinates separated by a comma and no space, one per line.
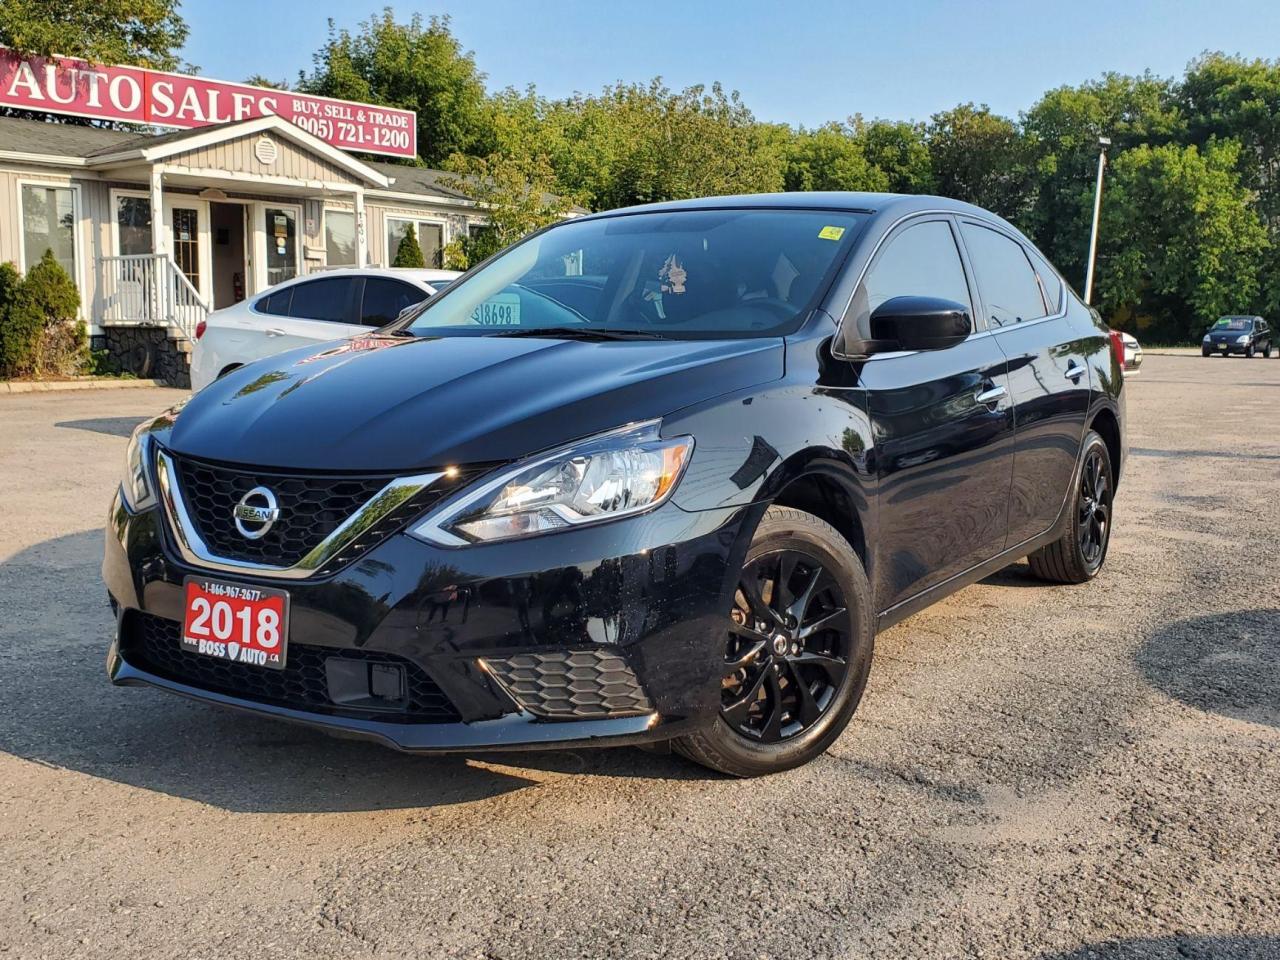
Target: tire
(139,359)
(1204,352)
(1266,351)
(1248,352)
(780,708)
(1078,555)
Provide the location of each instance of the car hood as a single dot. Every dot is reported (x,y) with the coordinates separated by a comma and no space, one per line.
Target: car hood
(389,403)
(1227,334)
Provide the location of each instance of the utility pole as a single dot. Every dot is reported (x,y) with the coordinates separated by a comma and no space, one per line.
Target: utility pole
(1103,143)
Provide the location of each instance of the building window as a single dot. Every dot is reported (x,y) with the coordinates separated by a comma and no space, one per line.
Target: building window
(340,238)
(133,225)
(430,238)
(49,223)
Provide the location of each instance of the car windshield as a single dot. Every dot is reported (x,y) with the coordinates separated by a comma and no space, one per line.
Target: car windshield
(689,274)
(1234,323)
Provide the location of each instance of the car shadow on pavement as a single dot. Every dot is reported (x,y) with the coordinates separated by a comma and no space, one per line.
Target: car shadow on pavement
(57,708)
(1014,575)
(1191,947)
(111,426)
(1222,662)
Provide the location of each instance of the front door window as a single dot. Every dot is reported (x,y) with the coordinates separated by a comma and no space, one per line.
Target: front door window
(282,244)
(186,242)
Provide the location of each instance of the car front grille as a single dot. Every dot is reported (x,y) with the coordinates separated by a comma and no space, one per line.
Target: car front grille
(311,508)
(153,644)
(572,684)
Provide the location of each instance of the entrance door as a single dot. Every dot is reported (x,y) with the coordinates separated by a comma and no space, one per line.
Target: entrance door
(229,255)
(187,223)
(279,226)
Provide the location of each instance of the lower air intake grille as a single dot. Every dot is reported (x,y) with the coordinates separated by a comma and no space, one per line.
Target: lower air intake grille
(572,684)
(151,643)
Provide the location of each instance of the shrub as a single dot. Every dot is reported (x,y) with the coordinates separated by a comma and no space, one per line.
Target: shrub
(409,254)
(39,332)
(20,326)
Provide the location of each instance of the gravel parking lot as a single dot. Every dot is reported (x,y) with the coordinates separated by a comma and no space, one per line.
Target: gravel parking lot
(1049,772)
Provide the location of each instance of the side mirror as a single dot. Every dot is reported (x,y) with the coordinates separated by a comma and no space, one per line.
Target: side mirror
(919,323)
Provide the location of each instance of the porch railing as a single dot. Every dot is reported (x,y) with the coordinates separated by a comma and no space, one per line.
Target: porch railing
(150,289)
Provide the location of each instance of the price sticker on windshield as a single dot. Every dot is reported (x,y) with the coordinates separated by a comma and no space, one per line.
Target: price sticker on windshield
(831,233)
(502,310)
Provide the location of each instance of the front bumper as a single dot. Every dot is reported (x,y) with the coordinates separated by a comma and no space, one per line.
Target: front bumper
(1225,347)
(629,614)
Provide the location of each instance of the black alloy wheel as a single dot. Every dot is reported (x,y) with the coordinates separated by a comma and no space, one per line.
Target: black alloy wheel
(791,661)
(1081,548)
(788,647)
(1093,523)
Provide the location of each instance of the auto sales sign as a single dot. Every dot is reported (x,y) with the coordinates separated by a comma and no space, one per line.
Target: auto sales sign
(153,97)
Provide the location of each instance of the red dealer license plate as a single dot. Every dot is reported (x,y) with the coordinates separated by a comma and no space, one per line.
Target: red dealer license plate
(235,622)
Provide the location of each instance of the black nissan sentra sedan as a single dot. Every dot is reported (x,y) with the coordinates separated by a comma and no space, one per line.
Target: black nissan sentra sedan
(650,476)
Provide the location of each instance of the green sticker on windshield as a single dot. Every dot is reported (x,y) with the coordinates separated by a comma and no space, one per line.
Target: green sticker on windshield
(831,233)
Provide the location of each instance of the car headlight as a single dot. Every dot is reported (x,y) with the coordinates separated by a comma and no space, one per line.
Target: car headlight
(135,485)
(1243,339)
(615,474)
(1207,338)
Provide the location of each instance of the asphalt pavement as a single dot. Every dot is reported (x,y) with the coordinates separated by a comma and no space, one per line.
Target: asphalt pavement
(1035,772)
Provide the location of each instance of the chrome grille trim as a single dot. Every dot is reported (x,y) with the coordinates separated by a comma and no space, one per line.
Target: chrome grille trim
(195,552)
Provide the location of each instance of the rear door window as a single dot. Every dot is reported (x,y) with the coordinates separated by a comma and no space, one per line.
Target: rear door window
(1005,278)
(326,299)
(920,261)
(385,298)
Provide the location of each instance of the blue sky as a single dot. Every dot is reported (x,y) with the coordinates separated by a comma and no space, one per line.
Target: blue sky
(798,62)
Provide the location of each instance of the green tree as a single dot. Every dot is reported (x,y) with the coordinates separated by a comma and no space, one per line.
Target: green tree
(516,195)
(982,158)
(142,33)
(640,143)
(259,80)
(414,66)
(830,158)
(1228,97)
(901,151)
(409,253)
(1062,131)
(1180,241)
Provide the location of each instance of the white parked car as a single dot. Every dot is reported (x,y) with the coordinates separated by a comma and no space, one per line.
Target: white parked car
(1132,353)
(313,309)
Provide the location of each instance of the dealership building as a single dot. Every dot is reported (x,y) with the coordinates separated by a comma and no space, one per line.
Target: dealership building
(159,229)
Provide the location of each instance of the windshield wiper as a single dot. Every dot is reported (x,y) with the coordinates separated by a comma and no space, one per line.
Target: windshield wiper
(580,333)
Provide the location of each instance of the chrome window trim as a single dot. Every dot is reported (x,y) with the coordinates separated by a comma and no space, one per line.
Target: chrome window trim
(195,552)
(977,334)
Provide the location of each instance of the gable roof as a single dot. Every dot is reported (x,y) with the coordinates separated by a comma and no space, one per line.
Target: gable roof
(154,148)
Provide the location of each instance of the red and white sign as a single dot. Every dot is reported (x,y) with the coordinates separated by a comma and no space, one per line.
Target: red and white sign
(82,89)
(237,623)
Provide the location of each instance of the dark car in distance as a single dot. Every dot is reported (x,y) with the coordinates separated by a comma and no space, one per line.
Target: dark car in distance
(653,476)
(1244,335)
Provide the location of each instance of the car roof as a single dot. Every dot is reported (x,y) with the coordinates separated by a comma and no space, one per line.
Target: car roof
(854,202)
(421,274)
(415,275)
